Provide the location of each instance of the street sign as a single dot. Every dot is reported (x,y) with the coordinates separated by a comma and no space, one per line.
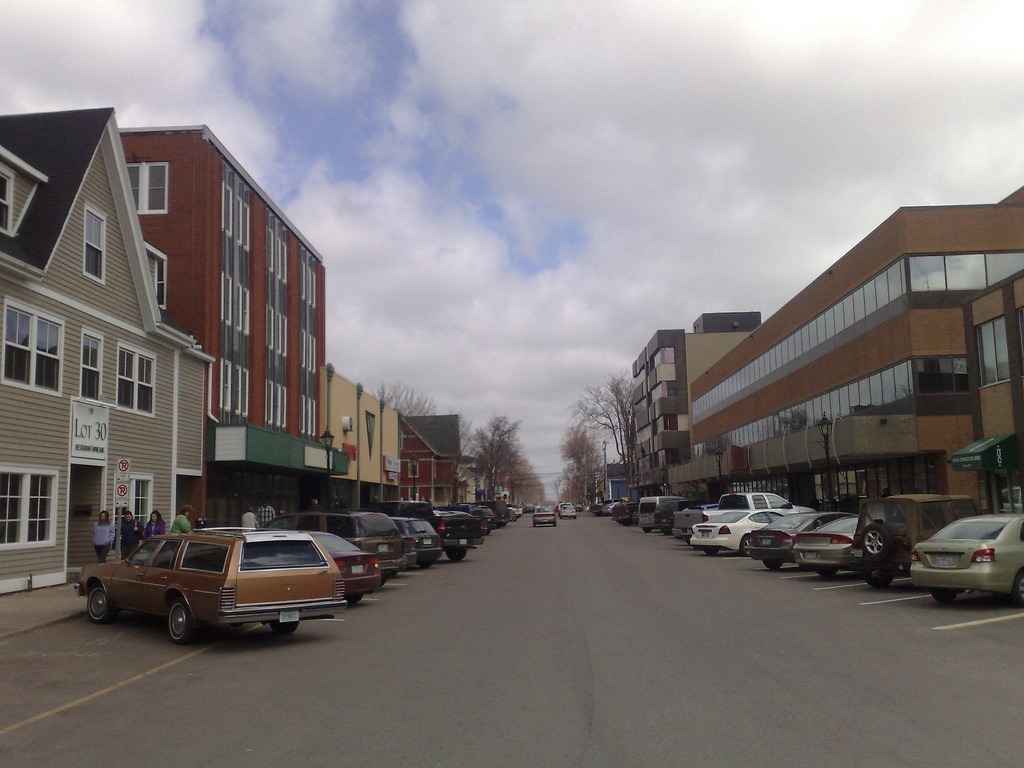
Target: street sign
(122,491)
(123,471)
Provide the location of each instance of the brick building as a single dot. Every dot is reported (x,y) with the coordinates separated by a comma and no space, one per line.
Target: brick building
(874,350)
(241,278)
(430,458)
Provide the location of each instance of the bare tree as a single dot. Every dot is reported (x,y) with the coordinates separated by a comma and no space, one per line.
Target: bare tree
(583,462)
(498,452)
(406,399)
(610,408)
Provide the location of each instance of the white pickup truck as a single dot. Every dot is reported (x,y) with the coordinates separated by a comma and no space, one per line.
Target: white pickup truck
(685,519)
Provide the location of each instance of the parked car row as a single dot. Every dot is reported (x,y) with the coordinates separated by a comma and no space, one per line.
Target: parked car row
(939,541)
(302,566)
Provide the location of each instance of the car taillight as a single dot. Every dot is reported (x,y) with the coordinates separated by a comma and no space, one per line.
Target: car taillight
(784,538)
(441,527)
(372,563)
(339,589)
(914,557)
(704,518)
(227,598)
(724,530)
(984,556)
(838,538)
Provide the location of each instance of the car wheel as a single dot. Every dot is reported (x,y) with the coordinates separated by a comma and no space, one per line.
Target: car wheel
(283,627)
(878,579)
(1017,592)
(354,599)
(878,542)
(828,571)
(425,565)
(945,595)
(181,624)
(710,551)
(646,530)
(456,554)
(744,549)
(772,565)
(99,607)
(666,531)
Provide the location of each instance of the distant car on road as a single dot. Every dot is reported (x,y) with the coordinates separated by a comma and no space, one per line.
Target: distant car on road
(566,511)
(544,516)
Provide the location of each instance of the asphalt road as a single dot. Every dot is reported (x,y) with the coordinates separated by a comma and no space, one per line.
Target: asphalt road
(584,645)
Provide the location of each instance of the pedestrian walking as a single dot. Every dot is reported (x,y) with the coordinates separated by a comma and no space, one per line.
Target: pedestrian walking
(155,526)
(265,513)
(182,523)
(249,519)
(131,533)
(102,535)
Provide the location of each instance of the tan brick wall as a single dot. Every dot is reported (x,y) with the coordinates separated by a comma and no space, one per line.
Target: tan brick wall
(996,409)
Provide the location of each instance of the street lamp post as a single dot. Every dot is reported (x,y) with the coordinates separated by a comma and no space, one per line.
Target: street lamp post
(381,443)
(327,439)
(825,425)
(359,456)
(718,460)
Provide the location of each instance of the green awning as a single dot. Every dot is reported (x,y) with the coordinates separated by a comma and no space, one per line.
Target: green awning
(988,453)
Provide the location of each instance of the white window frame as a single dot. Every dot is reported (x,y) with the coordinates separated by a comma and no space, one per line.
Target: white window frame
(98,338)
(7,202)
(137,355)
(101,277)
(158,271)
(35,316)
(227,205)
(986,333)
(142,491)
(24,496)
(142,187)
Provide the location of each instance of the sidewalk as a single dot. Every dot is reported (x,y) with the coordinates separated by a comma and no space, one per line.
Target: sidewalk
(24,611)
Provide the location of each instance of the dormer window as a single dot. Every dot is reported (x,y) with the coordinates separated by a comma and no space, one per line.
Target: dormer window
(6,194)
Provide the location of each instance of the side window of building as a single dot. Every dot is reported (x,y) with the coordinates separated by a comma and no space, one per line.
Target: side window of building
(89,385)
(32,349)
(992,352)
(26,507)
(149,186)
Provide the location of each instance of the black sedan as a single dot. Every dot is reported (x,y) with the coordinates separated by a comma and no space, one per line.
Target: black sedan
(773,544)
(422,544)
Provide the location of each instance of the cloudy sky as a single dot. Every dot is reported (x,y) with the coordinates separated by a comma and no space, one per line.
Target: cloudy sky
(512,196)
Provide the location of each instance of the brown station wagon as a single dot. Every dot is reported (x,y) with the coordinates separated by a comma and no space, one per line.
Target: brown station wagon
(218,577)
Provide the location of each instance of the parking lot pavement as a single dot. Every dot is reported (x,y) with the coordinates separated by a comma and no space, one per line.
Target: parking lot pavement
(24,611)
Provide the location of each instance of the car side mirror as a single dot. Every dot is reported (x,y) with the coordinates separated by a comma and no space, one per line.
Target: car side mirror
(788,505)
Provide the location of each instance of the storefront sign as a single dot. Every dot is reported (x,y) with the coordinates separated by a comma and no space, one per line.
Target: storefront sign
(90,424)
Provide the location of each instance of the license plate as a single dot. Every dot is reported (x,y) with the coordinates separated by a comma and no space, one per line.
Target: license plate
(288,617)
(463,542)
(766,542)
(943,561)
(428,542)
(358,569)
(706,534)
(810,555)
(645,519)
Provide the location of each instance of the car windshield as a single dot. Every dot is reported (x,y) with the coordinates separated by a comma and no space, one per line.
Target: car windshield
(335,545)
(733,501)
(729,517)
(376,525)
(419,526)
(842,525)
(976,528)
(791,522)
(276,553)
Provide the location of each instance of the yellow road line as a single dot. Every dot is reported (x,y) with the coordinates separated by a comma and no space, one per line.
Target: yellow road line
(105,691)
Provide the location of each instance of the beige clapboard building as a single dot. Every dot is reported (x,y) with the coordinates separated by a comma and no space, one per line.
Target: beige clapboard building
(94,374)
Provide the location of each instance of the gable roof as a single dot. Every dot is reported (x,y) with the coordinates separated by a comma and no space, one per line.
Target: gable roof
(440,433)
(60,145)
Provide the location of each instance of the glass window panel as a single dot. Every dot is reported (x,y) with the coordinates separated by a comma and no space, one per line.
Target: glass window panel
(844,401)
(848,315)
(859,301)
(876,389)
(965,271)
(881,290)
(960,379)
(864,393)
(1000,266)
(894,277)
(871,302)
(888,386)
(927,273)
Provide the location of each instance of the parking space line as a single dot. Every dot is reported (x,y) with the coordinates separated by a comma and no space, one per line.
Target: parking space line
(979,622)
(108,689)
(896,600)
(841,586)
(799,576)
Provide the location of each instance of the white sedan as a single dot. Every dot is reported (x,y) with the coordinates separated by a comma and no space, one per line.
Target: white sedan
(730,530)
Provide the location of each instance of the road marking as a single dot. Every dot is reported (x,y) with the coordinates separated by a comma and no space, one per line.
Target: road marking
(979,622)
(799,576)
(896,600)
(334,619)
(841,586)
(105,691)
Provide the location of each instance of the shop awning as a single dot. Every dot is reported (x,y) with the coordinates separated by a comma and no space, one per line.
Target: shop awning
(988,453)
